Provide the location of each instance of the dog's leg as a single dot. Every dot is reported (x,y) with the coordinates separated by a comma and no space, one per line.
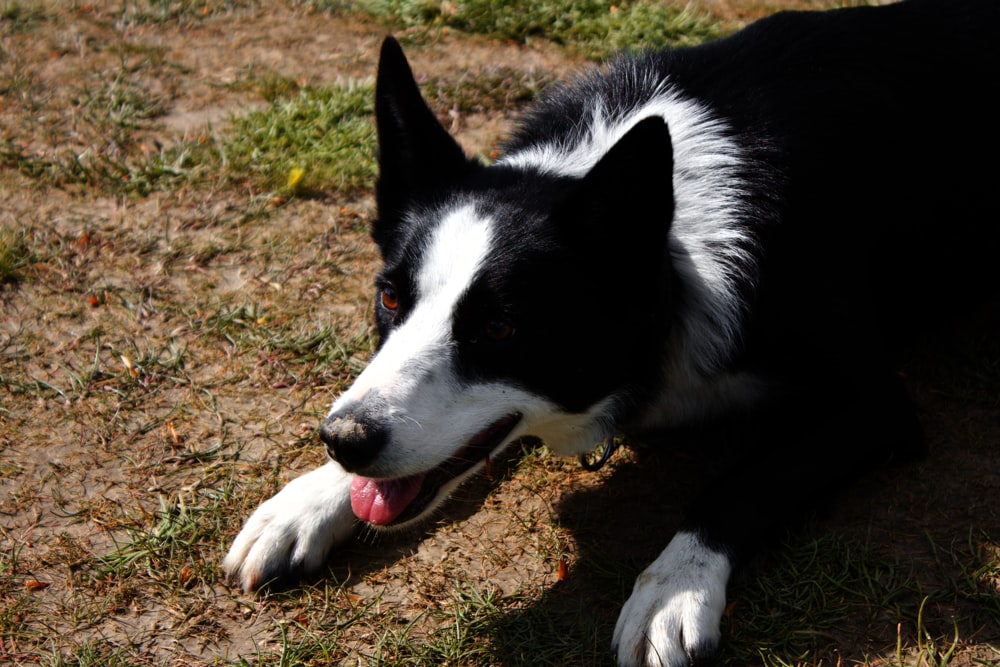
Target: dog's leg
(294,531)
(803,452)
(672,617)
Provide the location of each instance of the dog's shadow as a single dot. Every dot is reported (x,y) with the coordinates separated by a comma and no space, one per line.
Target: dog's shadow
(914,515)
(914,548)
(619,526)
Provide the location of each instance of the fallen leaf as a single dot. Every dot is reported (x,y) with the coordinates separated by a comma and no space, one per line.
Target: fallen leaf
(129,366)
(295,175)
(173,433)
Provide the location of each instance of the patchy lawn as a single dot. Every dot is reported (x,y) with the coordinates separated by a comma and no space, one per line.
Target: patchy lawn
(185,189)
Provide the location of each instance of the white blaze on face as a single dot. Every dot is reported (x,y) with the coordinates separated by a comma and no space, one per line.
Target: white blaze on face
(453,256)
(456,250)
(413,373)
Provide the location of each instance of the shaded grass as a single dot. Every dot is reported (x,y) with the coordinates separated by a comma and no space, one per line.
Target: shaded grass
(965,366)
(798,603)
(796,607)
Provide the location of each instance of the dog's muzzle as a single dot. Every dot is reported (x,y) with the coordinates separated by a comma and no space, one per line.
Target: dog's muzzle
(351,440)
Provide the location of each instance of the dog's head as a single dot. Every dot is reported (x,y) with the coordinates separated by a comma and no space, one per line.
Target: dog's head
(511,303)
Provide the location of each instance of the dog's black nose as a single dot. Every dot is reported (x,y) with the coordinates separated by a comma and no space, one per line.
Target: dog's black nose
(352,441)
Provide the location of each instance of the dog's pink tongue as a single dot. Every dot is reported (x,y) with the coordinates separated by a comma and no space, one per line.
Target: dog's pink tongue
(379,501)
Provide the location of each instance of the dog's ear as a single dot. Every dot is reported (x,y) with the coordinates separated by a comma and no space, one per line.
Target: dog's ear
(624,205)
(415,152)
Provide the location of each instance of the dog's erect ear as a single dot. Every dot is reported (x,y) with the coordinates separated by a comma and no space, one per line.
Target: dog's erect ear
(624,205)
(415,152)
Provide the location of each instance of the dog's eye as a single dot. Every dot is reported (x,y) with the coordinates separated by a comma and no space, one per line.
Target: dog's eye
(498,330)
(389,298)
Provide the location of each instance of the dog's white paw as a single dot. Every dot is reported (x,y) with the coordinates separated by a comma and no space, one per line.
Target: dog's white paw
(293,532)
(672,617)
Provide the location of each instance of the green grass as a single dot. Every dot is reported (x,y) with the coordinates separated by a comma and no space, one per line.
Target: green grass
(18,16)
(319,139)
(184,11)
(15,253)
(100,147)
(596,28)
(492,89)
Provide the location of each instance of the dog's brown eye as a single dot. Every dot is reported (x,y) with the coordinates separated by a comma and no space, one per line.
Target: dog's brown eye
(390,300)
(497,330)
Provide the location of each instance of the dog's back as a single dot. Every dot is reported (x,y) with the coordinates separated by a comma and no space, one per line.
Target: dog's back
(867,149)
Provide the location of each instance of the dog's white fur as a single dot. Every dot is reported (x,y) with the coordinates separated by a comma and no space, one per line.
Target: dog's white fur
(296,528)
(675,606)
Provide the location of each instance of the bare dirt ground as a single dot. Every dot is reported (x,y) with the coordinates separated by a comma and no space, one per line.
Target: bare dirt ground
(148,380)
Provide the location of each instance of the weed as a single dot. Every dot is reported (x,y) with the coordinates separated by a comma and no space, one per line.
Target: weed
(269,84)
(928,652)
(115,106)
(99,148)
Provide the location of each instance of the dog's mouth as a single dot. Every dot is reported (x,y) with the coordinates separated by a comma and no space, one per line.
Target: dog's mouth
(385,502)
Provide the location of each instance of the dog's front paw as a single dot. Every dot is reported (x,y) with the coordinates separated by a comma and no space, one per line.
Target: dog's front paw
(672,617)
(294,531)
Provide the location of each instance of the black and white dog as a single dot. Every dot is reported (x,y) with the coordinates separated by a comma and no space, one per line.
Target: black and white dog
(750,231)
